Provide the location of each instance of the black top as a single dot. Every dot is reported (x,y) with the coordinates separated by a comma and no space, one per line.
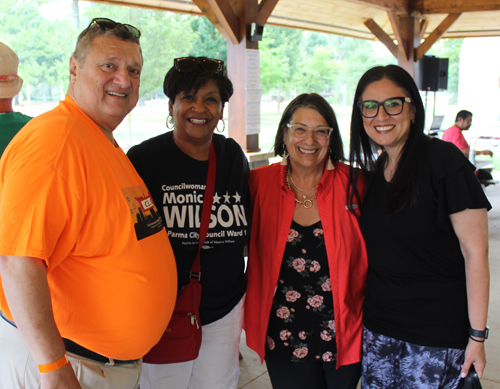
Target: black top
(416,289)
(177,185)
(301,324)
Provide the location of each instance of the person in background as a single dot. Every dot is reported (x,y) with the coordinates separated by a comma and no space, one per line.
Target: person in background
(10,86)
(307,259)
(425,224)
(87,271)
(454,134)
(174,167)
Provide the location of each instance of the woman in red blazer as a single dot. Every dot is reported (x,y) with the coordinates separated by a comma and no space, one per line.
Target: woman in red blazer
(307,260)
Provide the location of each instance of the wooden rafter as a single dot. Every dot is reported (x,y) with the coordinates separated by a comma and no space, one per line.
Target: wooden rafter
(423,27)
(436,34)
(209,13)
(452,6)
(382,36)
(400,6)
(396,28)
(266,7)
(227,18)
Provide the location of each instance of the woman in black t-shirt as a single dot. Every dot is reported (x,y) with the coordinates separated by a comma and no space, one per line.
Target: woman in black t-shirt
(175,167)
(424,220)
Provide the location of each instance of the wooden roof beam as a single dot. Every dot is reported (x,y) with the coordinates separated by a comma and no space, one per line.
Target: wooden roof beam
(227,19)
(209,13)
(382,36)
(435,35)
(423,27)
(400,6)
(266,7)
(396,28)
(451,6)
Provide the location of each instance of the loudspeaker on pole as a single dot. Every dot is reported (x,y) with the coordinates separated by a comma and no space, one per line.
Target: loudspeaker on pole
(433,74)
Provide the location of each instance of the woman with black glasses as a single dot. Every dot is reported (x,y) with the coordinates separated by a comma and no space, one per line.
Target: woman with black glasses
(174,167)
(425,223)
(307,261)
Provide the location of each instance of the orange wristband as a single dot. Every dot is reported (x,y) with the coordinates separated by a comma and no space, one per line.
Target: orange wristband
(53,366)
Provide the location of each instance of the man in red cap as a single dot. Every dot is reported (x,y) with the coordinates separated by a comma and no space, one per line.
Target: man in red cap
(10,86)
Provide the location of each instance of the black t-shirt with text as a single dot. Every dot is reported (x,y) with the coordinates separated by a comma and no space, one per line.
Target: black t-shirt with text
(177,185)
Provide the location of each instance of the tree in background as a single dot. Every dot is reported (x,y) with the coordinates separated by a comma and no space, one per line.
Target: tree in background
(43,47)
(280,53)
(208,41)
(318,71)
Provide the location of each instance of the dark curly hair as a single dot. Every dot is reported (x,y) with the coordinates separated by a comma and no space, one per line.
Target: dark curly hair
(176,82)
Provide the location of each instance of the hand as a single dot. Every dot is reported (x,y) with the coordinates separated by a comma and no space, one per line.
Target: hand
(487,152)
(63,378)
(474,355)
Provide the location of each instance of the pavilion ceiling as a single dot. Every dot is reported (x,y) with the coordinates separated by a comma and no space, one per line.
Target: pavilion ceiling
(474,18)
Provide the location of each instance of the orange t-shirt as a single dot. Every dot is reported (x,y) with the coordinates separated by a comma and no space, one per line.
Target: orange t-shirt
(71,198)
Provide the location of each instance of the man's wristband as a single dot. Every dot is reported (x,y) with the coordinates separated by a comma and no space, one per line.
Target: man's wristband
(53,366)
(479,334)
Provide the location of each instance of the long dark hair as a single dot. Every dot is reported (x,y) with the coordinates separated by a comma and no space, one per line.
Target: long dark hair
(364,153)
(319,104)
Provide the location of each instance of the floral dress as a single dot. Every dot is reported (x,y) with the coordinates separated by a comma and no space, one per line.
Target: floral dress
(301,324)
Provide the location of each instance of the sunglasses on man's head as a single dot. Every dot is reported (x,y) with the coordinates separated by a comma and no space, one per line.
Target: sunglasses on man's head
(189,64)
(108,24)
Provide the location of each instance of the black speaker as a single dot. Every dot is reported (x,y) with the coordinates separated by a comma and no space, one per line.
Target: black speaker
(256,32)
(433,73)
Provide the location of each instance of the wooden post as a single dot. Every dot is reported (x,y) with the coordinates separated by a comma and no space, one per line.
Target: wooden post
(236,62)
(410,36)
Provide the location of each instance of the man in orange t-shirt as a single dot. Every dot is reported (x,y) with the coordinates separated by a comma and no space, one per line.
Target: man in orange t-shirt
(87,274)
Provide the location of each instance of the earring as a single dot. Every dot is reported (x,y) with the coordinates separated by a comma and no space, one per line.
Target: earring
(413,121)
(329,164)
(170,119)
(284,160)
(223,126)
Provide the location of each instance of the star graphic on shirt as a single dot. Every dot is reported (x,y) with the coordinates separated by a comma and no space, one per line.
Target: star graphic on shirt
(216,198)
(237,197)
(226,197)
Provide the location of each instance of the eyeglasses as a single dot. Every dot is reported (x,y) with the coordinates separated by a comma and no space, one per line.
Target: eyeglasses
(300,131)
(190,64)
(108,24)
(393,106)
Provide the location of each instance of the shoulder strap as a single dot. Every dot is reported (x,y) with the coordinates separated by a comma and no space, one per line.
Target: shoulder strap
(206,209)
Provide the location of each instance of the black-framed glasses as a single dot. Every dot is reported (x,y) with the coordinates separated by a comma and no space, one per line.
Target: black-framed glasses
(108,24)
(300,131)
(392,106)
(190,64)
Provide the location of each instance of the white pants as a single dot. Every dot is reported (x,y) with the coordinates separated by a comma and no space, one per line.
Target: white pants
(18,369)
(217,366)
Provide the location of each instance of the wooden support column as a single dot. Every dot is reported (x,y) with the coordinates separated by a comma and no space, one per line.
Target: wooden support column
(410,39)
(233,19)
(237,66)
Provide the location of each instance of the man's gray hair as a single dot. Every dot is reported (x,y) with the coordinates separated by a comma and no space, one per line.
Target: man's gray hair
(87,36)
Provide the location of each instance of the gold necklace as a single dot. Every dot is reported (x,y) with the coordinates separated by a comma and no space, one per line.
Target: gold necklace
(307,203)
(294,184)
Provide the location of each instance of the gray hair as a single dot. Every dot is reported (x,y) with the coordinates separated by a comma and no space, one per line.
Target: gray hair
(87,36)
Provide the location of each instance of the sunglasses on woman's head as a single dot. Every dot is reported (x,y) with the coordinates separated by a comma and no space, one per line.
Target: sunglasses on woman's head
(189,64)
(108,24)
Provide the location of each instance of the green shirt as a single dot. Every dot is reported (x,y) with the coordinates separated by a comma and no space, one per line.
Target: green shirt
(10,124)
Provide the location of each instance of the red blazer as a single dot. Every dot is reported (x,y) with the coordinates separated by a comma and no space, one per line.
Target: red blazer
(273,208)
